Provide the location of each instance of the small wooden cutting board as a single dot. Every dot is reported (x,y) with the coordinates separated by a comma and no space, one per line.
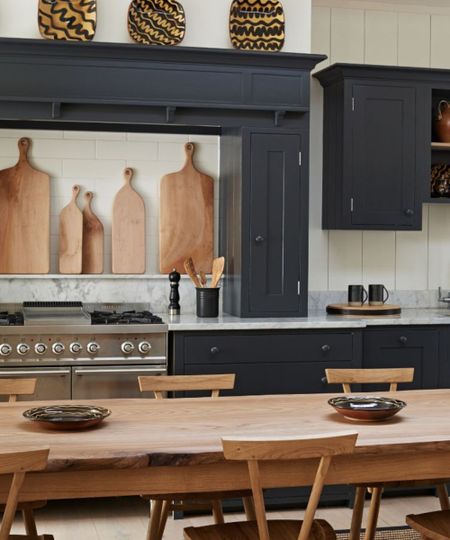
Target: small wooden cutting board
(186,225)
(71,236)
(24,217)
(128,230)
(364,310)
(93,239)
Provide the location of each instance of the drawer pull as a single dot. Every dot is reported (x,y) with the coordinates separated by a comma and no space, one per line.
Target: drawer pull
(324,380)
(326,348)
(215,350)
(403,339)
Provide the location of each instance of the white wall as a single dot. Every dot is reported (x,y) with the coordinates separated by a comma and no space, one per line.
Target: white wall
(377,33)
(207,22)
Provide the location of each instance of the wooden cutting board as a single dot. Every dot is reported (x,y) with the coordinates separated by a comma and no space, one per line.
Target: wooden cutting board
(24,217)
(186,226)
(156,22)
(364,310)
(72,20)
(71,236)
(128,230)
(257,25)
(93,239)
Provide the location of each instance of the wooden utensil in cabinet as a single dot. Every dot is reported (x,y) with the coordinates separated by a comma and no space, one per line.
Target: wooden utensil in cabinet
(128,230)
(217,271)
(71,236)
(24,217)
(186,226)
(93,239)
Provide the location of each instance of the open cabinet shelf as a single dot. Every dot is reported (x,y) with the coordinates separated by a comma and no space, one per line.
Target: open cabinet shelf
(440,146)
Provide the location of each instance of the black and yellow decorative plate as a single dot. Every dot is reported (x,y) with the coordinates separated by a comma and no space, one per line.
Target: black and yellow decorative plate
(67,416)
(69,20)
(257,25)
(367,408)
(156,22)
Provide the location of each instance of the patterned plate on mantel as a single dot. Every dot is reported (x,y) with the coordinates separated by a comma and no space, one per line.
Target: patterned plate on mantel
(67,416)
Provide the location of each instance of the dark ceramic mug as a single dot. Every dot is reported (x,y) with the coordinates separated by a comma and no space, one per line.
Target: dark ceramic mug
(357,295)
(378,295)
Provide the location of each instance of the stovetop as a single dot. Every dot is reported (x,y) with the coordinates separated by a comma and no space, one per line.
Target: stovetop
(124,317)
(11,319)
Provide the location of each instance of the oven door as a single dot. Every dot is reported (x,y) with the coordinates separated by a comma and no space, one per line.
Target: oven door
(103,382)
(52,383)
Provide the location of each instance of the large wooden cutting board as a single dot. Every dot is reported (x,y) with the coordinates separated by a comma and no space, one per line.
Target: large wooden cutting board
(128,230)
(24,217)
(93,239)
(71,236)
(186,227)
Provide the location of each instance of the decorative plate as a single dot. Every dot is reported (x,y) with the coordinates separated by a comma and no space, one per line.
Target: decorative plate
(67,416)
(69,20)
(367,408)
(257,25)
(156,22)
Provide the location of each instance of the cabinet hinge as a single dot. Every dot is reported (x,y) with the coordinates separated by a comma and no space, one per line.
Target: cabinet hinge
(300,159)
(298,288)
(351,204)
(353,103)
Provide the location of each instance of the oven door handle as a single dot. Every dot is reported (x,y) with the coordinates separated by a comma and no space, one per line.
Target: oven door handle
(100,371)
(27,372)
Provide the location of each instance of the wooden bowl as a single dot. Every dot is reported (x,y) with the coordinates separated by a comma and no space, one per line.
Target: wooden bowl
(366,408)
(66,417)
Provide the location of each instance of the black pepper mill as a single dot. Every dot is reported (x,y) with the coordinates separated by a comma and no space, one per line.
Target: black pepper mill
(174,306)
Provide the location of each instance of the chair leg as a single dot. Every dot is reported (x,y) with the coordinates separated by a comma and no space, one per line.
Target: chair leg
(374,510)
(249,508)
(357,515)
(217,512)
(155,520)
(443,496)
(163,518)
(30,523)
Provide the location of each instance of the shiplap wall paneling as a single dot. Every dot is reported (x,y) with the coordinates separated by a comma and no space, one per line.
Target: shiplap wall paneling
(347,35)
(381,31)
(414,39)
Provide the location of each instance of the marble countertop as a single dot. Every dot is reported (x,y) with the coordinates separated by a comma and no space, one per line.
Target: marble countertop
(315,320)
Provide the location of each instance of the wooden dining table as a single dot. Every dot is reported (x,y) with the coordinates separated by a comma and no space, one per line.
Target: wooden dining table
(174,446)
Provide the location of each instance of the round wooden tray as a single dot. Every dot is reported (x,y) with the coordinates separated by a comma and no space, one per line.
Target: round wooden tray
(364,310)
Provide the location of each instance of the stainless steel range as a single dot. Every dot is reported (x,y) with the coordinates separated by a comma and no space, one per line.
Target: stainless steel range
(81,351)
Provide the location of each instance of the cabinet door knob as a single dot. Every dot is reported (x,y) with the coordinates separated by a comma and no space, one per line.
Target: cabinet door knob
(409,212)
(403,339)
(259,239)
(326,348)
(214,350)
(324,380)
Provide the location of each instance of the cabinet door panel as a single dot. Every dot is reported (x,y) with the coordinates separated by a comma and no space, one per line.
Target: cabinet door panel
(275,216)
(383,151)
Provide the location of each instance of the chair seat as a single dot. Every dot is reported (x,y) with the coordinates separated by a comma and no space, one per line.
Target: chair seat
(28,537)
(209,496)
(32,505)
(280,529)
(432,525)
(408,483)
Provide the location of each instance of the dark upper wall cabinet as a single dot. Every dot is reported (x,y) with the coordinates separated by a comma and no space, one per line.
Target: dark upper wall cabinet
(375,145)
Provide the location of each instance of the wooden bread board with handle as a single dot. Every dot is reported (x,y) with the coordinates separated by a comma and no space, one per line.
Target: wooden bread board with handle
(128,230)
(93,239)
(364,310)
(71,236)
(186,225)
(24,217)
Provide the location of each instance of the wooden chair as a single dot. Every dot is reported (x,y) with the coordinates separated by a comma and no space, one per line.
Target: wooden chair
(391,376)
(253,451)
(432,525)
(18,464)
(161,506)
(14,388)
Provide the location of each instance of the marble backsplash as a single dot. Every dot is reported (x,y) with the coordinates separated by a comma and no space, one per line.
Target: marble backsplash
(155,290)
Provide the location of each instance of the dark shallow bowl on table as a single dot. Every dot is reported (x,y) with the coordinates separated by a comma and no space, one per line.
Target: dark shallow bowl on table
(367,408)
(67,416)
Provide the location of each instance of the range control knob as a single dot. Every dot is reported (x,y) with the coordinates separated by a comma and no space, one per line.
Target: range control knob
(75,347)
(5,349)
(127,347)
(40,348)
(23,349)
(144,347)
(93,347)
(58,348)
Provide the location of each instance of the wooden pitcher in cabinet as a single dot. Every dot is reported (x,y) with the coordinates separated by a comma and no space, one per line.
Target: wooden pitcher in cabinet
(442,123)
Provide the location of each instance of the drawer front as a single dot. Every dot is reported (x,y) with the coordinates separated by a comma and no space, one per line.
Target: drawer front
(404,347)
(264,347)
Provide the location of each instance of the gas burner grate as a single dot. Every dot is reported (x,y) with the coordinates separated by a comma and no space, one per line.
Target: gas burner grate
(125,317)
(11,319)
